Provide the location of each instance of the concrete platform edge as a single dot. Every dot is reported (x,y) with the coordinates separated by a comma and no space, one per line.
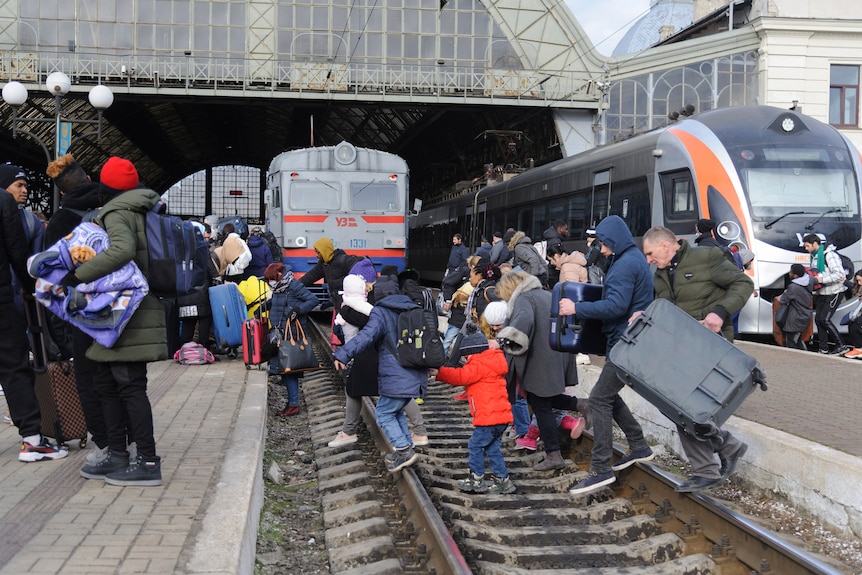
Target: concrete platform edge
(817,479)
(238,499)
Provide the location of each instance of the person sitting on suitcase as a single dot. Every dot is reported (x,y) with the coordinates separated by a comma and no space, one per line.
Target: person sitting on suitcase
(628,289)
(704,284)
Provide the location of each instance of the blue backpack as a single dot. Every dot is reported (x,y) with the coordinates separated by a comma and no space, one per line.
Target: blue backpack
(178,254)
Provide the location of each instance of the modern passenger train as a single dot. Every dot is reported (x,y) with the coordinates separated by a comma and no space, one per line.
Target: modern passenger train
(358,197)
(766,176)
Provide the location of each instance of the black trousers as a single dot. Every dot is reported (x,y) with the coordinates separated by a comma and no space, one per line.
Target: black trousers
(16,373)
(122,388)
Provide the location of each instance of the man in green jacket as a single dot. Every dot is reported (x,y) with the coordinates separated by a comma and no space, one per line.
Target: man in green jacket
(121,371)
(704,284)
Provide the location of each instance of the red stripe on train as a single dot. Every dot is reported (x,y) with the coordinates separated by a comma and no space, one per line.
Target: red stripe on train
(304,219)
(384,219)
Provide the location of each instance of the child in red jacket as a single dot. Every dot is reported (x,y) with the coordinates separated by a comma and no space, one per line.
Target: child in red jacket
(484,376)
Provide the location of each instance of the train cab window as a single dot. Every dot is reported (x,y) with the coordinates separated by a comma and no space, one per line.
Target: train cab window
(374,197)
(314,196)
(680,201)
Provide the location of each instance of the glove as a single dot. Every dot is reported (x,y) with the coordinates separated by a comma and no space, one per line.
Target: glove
(294,313)
(69,280)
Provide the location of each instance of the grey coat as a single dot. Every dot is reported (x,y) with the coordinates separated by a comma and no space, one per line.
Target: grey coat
(536,367)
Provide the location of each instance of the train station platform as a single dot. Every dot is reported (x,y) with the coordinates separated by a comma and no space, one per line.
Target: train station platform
(210,426)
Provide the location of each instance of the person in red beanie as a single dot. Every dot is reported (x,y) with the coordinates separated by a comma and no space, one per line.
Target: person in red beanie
(121,371)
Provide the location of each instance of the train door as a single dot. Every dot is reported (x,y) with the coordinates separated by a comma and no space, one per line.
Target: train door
(600,204)
(679,202)
(274,213)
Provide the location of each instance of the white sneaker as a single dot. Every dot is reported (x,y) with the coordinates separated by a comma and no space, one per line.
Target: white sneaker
(97,454)
(342,439)
(419,440)
(582,359)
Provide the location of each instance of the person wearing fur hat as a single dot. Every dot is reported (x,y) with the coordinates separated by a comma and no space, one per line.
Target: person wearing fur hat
(332,265)
(484,377)
(121,371)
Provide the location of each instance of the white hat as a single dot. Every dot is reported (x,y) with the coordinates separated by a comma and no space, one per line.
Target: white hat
(496,312)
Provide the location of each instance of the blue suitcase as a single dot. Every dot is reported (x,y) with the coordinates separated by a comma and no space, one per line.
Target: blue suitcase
(568,333)
(229,311)
(695,377)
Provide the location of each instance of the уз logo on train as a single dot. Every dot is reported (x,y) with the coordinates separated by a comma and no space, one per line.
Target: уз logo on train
(345,222)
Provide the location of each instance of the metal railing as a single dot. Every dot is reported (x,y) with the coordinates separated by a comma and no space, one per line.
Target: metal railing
(440,80)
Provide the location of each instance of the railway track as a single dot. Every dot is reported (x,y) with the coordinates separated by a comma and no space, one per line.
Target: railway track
(417,521)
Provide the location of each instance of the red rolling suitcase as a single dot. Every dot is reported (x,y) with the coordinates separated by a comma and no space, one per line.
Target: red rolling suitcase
(570,334)
(254,332)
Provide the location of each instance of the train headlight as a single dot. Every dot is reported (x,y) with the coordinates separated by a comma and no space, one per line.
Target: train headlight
(297,242)
(394,243)
(728,230)
(345,153)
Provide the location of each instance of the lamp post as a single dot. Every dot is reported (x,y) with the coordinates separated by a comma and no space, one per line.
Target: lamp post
(58,85)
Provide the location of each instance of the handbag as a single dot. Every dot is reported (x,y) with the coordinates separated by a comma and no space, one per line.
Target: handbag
(270,344)
(295,353)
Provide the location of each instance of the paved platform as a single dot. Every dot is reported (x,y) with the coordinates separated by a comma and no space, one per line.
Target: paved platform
(210,426)
(210,423)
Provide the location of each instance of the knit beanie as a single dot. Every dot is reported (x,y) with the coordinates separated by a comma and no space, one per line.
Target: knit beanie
(119,174)
(10,173)
(325,249)
(473,343)
(704,226)
(495,313)
(389,270)
(365,268)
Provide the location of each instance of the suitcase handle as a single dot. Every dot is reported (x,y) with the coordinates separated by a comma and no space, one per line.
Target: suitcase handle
(575,326)
(634,329)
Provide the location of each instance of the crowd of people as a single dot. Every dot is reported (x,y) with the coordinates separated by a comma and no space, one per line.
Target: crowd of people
(497,303)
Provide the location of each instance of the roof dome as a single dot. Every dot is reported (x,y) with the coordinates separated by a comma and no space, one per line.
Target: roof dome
(646,32)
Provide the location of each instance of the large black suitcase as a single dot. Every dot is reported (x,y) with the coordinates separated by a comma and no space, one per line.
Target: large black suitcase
(695,377)
(568,333)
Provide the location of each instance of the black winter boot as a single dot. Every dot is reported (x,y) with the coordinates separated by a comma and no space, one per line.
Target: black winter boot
(140,472)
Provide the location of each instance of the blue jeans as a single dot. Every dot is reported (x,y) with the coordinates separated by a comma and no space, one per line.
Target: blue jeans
(607,406)
(486,441)
(449,337)
(521,413)
(291,382)
(393,422)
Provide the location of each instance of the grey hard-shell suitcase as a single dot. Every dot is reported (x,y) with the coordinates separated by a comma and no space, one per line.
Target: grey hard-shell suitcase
(695,377)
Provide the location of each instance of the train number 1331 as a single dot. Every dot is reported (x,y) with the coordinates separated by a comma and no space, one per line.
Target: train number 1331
(358,244)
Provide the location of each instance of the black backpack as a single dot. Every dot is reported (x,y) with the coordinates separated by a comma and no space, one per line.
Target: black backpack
(272,243)
(849,271)
(418,342)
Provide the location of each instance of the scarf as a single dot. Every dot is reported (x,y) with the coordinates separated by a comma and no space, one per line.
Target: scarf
(283,283)
(818,260)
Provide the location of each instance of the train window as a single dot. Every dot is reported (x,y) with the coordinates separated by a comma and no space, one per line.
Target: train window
(374,196)
(314,196)
(680,202)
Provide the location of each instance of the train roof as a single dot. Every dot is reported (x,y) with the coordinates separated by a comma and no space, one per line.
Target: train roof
(341,157)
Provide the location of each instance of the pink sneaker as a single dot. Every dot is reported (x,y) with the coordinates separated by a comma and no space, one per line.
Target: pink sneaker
(575,425)
(530,440)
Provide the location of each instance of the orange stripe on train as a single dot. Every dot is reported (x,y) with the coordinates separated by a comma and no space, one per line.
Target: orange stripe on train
(384,219)
(709,171)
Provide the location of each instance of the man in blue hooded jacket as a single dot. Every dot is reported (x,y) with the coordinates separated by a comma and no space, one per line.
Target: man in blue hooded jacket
(628,288)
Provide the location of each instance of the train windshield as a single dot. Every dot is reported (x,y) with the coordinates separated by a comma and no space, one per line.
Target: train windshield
(809,180)
(374,196)
(316,195)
